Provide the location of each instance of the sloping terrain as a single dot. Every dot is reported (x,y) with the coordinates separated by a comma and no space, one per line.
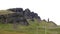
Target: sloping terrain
(48,24)
(35,26)
(3,12)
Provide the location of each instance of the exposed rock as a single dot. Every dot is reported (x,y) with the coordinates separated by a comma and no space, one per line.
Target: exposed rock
(19,16)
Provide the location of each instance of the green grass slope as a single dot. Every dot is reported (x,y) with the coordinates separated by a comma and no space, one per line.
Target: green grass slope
(34,28)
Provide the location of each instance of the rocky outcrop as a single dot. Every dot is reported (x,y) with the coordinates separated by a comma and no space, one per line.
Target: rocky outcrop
(19,16)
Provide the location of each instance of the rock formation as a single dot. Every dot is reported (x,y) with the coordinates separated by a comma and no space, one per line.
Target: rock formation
(19,16)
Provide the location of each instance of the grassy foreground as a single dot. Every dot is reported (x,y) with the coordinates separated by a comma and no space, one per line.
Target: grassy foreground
(34,28)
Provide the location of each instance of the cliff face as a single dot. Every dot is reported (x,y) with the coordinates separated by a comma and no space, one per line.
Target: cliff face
(19,16)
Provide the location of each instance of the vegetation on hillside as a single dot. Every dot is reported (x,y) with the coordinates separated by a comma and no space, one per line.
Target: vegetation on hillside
(19,21)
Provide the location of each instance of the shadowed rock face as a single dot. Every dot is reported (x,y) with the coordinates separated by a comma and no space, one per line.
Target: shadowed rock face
(20,16)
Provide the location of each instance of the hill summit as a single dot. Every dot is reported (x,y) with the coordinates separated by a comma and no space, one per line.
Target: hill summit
(23,17)
(18,15)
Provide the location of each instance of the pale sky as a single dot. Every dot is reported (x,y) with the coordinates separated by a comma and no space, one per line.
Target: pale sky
(45,8)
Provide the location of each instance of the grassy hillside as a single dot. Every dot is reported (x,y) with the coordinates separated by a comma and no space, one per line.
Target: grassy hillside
(33,28)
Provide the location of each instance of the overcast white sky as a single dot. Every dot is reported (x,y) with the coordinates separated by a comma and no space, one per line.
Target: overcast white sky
(45,8)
